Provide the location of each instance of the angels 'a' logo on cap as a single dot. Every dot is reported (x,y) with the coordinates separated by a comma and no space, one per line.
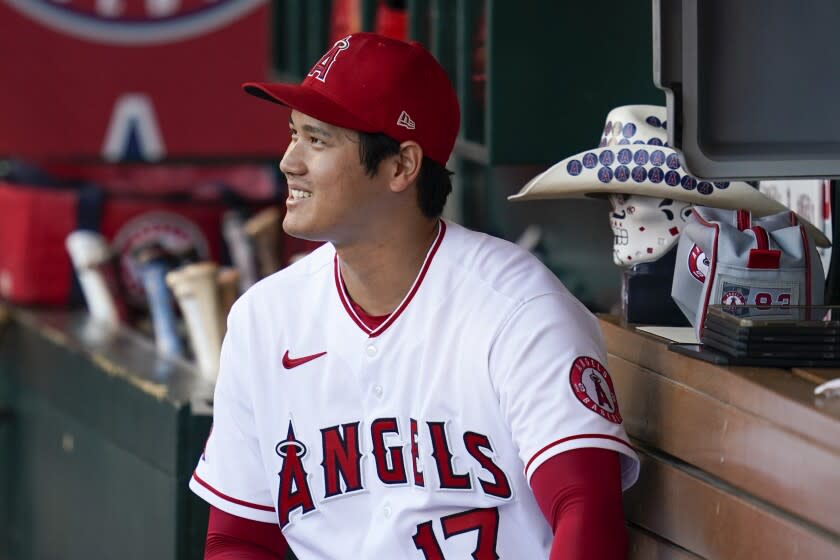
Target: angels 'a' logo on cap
(594,388)
(322,67)
(405,121)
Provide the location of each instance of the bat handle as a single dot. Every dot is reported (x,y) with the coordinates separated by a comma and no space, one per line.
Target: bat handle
(264,229)
(194,286)
(90,255)
(99,300)
(206,345)
(153,274)
(241,250)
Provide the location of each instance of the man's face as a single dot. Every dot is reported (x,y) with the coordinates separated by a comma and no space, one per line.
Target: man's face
(331,198)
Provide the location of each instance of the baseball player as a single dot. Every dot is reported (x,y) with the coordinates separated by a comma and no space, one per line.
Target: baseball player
(411,389)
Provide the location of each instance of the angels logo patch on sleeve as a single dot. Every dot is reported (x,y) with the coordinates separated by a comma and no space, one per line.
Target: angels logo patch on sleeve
(594,388)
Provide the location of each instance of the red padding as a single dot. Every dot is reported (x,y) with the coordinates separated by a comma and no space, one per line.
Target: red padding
(764,258)
(744,219)
(34,223)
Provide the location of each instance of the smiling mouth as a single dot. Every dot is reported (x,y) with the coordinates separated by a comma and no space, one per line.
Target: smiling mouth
(296,194)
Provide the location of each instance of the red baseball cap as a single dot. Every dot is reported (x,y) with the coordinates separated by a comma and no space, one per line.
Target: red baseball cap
(370,83)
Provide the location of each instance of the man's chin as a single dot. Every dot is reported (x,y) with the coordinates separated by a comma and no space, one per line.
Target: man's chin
(301,232)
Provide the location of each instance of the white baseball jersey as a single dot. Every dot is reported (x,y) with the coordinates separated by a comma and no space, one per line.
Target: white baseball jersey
(416,439)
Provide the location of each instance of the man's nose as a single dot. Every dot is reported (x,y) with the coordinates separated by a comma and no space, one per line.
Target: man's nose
(292,163)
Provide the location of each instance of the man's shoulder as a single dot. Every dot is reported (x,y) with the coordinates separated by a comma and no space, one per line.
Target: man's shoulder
(500,265)
(295,278)
(311,264)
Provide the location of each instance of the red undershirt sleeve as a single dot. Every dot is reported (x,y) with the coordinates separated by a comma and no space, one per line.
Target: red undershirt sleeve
(579,492)
(230,537)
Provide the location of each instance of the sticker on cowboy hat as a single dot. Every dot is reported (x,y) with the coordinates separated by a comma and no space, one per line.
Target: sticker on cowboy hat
(643,164)
(593,387)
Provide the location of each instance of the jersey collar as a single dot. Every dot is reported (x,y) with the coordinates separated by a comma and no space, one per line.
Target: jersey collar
(348,304)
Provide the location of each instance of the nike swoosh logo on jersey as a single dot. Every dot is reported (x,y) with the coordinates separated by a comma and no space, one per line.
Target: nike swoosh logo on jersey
(290,363)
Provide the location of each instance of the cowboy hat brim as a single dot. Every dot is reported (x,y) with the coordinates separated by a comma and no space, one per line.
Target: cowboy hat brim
(603,171)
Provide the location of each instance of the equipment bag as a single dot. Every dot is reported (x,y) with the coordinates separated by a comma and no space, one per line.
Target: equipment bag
(726,257)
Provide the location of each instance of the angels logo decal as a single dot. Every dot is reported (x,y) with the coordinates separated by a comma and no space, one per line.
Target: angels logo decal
(733,297)
(594,388)
(698,264)
(173,232)
(135,22)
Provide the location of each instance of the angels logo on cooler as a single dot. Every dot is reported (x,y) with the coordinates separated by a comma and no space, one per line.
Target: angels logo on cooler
(733,297)
(134,22)
(698,264)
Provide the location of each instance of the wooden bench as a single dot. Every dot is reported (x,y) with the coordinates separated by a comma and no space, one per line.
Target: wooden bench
(737,462)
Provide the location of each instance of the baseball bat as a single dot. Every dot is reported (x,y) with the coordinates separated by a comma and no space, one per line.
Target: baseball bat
(194,286)
(240,248)
(184,255)
(530,238)
(92,258)
(264,229)
(227,283)
(155,263)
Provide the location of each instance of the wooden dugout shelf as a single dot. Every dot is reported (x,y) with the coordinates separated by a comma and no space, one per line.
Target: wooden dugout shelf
(738,462)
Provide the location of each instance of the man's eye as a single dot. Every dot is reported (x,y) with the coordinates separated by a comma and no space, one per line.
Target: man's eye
(316,141)
(293,133)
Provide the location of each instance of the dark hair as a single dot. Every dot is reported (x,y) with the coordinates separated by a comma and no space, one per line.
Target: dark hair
(433,182)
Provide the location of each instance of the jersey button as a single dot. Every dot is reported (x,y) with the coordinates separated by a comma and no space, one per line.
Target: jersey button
(371,350)
(378,390)
(386,511)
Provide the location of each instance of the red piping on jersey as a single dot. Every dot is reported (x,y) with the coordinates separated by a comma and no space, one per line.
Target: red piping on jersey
(339,285)
(231,499)
(579,436)
(371,321)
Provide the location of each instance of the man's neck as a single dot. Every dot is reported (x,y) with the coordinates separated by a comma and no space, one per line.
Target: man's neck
(379,274)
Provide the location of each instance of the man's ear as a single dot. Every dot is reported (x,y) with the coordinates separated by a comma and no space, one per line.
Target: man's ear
(406,166)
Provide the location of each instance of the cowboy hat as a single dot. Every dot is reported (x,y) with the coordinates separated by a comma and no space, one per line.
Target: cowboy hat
(633,158)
